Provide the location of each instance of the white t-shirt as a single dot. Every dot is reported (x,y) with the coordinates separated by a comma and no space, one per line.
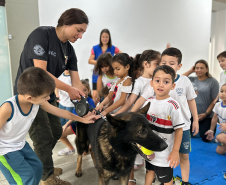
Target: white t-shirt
(106,80)
(220,110)
(165,117)
(120,89)
(183,92)
(63,95)
(14,131)
(141,85)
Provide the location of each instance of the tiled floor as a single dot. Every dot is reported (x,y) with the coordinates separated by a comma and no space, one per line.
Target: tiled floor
(68,163)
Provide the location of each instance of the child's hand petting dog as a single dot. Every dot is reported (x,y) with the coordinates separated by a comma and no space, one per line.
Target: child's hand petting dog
(99,107)
(90,118)
(174,159)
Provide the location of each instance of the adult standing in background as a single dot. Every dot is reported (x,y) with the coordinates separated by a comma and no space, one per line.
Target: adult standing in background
(105,45)
(49,48)
(206,88)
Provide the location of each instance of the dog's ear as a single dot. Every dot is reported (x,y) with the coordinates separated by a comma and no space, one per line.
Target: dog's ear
(116,121)
(144,110)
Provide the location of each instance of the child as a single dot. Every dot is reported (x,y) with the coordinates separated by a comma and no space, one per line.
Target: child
(68,130)
(147,62)
(166,121)
(64,99)
(183,93)
(222,61)
(220,116)
(18,162)
(123,69)
(106,73)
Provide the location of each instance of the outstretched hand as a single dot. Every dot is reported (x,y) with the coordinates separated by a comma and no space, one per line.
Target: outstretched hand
(91,119)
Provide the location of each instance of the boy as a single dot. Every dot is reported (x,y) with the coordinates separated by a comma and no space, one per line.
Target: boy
(222,61)
(166,120)
(220,116)
(18,162)
(185,95)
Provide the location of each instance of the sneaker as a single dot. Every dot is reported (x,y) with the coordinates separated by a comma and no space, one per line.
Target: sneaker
(66,151)
(224,175)
(54,180)
(138,166)
(58,171)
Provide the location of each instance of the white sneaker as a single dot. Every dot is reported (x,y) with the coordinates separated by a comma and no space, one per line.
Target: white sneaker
(66,151)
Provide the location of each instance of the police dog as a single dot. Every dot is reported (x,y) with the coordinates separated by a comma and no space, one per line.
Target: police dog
(115,144)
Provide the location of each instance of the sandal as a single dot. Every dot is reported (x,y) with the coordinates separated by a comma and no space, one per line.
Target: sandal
(132,180)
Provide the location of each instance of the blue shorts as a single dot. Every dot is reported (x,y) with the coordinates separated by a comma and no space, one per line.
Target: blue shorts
(164,174)
(21,166)
(63,120)
(185,147)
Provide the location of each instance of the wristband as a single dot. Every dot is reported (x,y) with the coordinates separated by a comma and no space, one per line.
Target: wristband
(210,131)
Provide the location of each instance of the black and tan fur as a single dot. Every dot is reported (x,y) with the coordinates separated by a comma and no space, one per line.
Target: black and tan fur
(111,143)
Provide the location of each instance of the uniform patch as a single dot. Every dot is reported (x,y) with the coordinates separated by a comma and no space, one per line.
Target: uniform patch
(179,91)
(38,50)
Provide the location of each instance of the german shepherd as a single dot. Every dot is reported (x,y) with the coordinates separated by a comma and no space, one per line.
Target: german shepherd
(114,144)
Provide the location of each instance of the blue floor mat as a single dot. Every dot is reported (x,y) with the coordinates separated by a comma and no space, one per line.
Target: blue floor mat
(206,166)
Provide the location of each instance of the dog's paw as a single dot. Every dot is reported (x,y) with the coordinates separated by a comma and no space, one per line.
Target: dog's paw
(78,174)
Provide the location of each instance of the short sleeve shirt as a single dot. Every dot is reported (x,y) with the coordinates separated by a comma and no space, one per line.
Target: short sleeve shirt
(43,44)
(141,85)
(183,92)
(165,117)
(206,90)
(220,110)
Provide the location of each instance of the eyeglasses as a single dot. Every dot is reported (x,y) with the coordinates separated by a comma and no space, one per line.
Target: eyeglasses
(115,91)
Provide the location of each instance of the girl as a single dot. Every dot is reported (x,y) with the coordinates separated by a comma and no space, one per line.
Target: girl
(122,65)
(70,127)
(147,62)
(206,88)
(106,73)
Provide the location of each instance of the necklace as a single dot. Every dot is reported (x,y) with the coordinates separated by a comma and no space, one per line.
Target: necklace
(64,49)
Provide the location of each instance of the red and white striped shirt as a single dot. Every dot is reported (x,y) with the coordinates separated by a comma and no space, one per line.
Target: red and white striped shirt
(165,117)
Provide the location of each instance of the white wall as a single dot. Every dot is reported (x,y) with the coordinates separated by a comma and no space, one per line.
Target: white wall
(139,25)
(218,40)
(5,71)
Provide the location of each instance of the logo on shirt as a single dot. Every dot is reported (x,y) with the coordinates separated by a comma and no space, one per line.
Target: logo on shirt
(168,117)
(38,50)
(153,118)
(52,53)
(179,91)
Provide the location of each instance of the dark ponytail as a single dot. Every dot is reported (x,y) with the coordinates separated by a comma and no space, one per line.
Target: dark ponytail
(124,59)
